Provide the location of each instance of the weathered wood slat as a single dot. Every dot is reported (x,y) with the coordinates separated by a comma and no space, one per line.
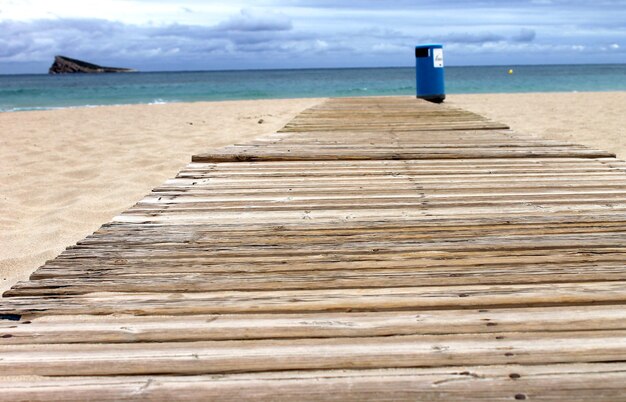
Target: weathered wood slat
(268,154)
(312,279)
(328,216)
(207,357)
(130,328)
(555,382)
(437,163)
(111,235)
(365,299)
(459,267)
(97,265)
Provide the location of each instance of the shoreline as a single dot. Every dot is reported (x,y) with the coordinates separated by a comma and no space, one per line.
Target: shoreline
(68,171)
(153,103)
(175,102)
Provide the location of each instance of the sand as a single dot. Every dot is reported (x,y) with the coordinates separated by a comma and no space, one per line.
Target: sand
(595,119)
(66,172)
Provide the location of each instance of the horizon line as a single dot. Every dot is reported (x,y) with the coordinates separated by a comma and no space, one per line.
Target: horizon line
(323,68)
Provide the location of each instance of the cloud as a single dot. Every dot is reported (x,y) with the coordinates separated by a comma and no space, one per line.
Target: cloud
(251,21)
(100,40)
(467,37)
(484,37)
(37,40)
(525,35)
(198,34)
(446,4)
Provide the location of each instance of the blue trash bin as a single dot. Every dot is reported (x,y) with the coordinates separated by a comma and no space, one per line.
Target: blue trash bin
(429,73)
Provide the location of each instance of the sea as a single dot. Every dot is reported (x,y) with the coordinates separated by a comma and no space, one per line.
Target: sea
(43,91)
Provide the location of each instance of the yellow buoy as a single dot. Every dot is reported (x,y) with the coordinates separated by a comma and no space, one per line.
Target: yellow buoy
(511,71)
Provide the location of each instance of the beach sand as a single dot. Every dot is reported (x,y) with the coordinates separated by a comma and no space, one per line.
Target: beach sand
(595,119)
(66,172)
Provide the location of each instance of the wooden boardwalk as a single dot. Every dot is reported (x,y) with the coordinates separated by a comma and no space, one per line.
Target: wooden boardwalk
(374,248)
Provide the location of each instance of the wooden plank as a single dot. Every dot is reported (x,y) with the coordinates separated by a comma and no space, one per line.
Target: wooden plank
(315,279)
(602,259)
(365,299)
(207,357)
(113,234)
(327,215)
(265,154)
(557,382)
(129,328)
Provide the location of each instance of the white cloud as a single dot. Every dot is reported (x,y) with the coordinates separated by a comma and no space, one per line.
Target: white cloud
(127,11)
(385,47)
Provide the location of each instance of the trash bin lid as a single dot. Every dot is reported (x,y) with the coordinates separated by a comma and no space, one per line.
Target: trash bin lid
(430,46)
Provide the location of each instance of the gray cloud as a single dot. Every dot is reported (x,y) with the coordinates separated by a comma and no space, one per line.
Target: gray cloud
(99,39)
(525,35)
(473,38)
(250,21)
(466,37)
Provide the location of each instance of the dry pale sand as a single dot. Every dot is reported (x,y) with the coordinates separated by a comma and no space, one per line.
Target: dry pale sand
(66,172)
(595,119)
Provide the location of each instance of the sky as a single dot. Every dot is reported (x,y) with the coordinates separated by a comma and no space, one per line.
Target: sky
(157,35)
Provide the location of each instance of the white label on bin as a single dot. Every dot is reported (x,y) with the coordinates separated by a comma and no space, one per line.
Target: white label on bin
(438,57)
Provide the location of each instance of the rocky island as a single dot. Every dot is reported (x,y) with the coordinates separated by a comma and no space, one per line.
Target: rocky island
(66,65)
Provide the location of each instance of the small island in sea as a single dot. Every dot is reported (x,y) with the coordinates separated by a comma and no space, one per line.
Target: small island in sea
(67,65)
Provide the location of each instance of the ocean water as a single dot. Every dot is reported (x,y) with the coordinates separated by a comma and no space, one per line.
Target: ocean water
(42,91)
